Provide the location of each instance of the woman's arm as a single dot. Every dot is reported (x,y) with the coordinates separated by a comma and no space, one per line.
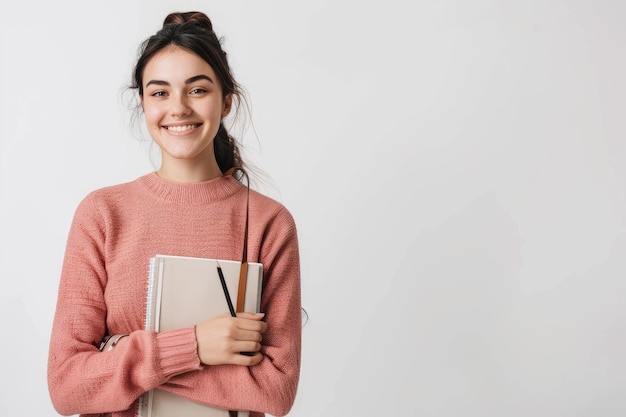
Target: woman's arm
(81,379)
(269,386)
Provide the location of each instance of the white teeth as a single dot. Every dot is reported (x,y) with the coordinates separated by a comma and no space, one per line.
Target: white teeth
(180,128)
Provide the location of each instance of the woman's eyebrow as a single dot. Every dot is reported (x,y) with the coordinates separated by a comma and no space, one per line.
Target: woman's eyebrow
(199,77)
(156,82)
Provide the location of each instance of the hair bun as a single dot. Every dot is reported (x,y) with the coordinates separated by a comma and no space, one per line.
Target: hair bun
(197,18)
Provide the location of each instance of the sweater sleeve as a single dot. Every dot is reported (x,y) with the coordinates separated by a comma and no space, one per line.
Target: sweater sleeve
(81,379)
(270,386)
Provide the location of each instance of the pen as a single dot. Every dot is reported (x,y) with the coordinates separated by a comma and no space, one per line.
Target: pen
(228,300)
(225,288)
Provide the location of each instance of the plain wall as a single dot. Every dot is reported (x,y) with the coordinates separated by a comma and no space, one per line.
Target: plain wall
(456,170)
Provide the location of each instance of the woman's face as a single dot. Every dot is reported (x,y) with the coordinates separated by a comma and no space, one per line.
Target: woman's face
(183,105)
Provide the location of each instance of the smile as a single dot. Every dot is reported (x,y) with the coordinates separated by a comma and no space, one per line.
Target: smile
(180,129)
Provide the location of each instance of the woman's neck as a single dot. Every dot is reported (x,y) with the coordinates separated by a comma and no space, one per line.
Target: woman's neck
(184,171)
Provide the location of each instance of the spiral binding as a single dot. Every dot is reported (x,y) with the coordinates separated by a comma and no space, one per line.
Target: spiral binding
(150,299)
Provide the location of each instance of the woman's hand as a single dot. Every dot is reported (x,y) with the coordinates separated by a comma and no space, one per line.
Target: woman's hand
(222,339)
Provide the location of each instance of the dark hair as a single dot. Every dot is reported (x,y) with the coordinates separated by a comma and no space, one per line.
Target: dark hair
(194,31)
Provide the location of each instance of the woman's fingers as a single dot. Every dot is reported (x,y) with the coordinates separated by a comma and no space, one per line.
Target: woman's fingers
(221,340)
(252,321)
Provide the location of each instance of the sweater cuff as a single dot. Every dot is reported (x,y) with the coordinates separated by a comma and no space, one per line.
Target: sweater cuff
(178,351)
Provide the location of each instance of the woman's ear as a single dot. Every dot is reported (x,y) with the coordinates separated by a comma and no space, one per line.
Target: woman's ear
(228,103)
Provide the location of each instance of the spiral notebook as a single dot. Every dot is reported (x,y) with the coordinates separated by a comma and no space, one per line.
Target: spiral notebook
(183,291)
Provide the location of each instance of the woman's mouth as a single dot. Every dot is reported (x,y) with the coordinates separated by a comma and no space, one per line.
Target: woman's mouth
(181,129)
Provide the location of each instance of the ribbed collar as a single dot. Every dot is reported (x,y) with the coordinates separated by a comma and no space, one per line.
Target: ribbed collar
(189,193)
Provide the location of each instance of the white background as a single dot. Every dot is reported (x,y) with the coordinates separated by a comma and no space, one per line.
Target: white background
(456,170)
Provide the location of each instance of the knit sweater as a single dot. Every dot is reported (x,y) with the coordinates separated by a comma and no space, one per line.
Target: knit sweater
(103,288)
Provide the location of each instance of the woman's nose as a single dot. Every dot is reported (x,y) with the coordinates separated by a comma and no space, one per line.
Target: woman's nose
(180,107)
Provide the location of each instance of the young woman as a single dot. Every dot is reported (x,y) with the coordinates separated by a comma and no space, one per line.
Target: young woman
(192,206)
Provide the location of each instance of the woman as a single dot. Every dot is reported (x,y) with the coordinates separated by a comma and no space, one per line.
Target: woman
(191,206)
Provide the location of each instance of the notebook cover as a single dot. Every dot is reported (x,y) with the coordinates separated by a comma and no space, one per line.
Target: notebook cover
(183,291)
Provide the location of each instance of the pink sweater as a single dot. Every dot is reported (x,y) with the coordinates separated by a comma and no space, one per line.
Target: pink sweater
(103,291)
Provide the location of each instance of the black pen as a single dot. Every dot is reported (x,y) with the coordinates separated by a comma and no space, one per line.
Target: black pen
(225,288)
(228,300)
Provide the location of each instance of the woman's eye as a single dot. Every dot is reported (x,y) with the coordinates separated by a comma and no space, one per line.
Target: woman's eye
(159,94)
(198,91)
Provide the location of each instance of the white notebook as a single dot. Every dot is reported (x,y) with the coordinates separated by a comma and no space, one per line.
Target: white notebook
(183,291)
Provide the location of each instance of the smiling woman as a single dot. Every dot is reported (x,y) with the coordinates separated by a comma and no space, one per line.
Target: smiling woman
(191,206)
(184,104)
